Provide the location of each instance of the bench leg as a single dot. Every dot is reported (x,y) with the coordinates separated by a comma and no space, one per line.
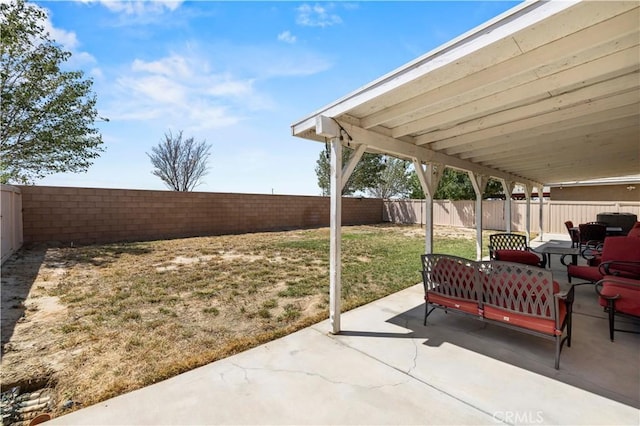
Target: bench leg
(569,321)
(612,309)
(426,313)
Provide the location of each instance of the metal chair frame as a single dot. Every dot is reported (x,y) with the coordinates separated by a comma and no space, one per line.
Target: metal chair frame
(508,241)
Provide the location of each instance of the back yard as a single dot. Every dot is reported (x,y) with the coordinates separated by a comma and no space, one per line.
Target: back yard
(97,321)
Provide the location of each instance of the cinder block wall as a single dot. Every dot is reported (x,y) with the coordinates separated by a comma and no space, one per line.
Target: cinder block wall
(91,215)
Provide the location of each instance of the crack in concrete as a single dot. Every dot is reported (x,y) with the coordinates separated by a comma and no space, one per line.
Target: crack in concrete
(316,375)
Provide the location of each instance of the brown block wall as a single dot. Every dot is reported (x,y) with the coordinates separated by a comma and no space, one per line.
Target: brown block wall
(91,215)
(626,192)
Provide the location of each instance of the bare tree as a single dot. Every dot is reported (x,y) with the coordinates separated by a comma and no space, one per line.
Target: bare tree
(180,163)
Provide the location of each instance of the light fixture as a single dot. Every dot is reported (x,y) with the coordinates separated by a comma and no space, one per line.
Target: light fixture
(630,188)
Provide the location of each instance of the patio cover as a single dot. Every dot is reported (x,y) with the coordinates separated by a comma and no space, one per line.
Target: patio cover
(545,93)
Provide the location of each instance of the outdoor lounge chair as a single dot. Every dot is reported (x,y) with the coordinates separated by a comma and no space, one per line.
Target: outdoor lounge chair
(619,296)
(615,251)
(513,248)
(593,255)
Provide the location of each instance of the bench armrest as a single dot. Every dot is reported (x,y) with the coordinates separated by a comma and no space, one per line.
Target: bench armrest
(566,296)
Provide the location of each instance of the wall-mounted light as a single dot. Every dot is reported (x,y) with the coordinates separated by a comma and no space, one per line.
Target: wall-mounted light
(630,188)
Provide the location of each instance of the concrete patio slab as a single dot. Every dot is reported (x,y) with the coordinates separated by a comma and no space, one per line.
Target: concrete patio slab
(387,368)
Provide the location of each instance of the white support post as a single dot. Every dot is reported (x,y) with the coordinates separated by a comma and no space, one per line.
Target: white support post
(429,180)
(330,128)
(541,212)
(479,182)
(508,186)
(527,194)
(335,243)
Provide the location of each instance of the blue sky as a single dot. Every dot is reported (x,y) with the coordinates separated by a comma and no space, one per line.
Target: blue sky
(236,74)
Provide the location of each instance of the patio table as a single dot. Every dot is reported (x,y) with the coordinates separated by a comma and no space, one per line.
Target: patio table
(611,230)
(559,247)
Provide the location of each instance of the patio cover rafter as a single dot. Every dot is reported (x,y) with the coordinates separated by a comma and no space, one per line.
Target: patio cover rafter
(535,79)
(381,143)
(547,92)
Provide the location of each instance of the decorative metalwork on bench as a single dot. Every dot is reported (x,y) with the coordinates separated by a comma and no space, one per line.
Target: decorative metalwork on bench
(443,275)
(522,289)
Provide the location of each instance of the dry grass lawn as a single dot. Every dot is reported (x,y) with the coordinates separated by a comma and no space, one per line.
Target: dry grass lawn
(98,321)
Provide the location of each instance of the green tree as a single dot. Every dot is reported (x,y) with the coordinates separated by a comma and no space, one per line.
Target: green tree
(394,179)
(456,185)
(47,114)
(180,163)
(366,174)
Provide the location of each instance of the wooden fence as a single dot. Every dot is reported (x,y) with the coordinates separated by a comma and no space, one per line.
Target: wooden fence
(10,220)
(462,213)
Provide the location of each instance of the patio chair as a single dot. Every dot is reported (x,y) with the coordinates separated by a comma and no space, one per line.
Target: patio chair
(635,231)
(619,257)
(619,296)
(593,254)
(591,234)
(513,248)
(573,233)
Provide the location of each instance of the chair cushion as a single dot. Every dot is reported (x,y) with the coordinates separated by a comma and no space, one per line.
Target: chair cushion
(518,256)
(460,304)
(589,273)
(629,300)
(542,325)
(635,231)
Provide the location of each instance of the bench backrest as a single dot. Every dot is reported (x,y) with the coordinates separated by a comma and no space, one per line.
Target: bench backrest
(451,276)
(508,286)
(520,288)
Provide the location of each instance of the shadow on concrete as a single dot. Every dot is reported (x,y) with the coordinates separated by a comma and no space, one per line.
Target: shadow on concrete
(592,363)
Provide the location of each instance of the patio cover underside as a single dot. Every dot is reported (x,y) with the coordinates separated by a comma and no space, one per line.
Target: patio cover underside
(545,93)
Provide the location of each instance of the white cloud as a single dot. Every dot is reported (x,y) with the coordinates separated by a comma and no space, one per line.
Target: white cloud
(257,61)
(138,7)
(66,39)
(317,16)
(287,37)
(227,86)
(182,89)
(156,88)
(69,42)
(96,73)
(172,66)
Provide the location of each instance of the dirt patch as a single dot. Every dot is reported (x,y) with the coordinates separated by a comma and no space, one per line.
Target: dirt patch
(445,232)
(28,310)
(94,322)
